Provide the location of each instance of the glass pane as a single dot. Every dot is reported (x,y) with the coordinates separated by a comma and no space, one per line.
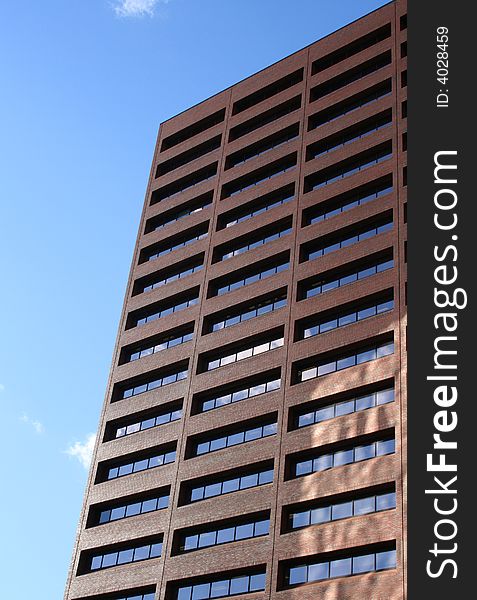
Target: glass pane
(104,516)
(303,467)
(201,592)
(385,447)
(347,320)
(207,539)
(323,414)
(231,486)
(342,510)
(226,535)
(386,501)
(220,589)
(321,463)
(253,434)
(342,457)
(363,564)
(118,513)
(191,542)
(148,424)
(141,553)
(318,572)
(304,420)
(149,505)
(184,593)
(261,528)
(133,509)
(109,560)
(366,356)
(257,582)
(243,532)
(125,470)
(365,402)
(364,506)
(218,444)
(236,438)
(248,481)
(344,363)
(96,562)
(327,368)
(265,477)
(156,550)
(365,452)
(212,490)
(344,408)
(321,515)
(385,560)
(140,465)
(298,575)
(384,397)
(239,585)
(197,494)
(340,568)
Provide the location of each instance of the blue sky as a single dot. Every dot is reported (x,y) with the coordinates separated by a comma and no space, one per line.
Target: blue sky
(85,84)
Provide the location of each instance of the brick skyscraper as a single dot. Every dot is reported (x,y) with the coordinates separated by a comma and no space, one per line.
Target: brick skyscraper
(252,440)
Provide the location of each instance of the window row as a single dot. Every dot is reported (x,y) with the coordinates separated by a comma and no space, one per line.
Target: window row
(349,136)
(331,283)
(175,246)
(223,587)
(167,310)
(346,361)
(341,457)
(263,146)
(170,278)
(229,287)
(345,407)
(252,310)
(363,195)
(224,535)
(188,208)
(231,484)
(341,567)
(243,393)
(269,173)
(132,509)
(143,464)
(353,74)
(247,352)
(342,510)
(234,439)
(184,183)
(259,206)
(355,102)
(347,318)
(349,240)
(128,555)
(256,243)
(152,385)
(165,343)
(349,167)
(161,419)
(188,156)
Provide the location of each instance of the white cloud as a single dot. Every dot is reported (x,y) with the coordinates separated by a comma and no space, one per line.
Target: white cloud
(83,451)
(136,8)
(37,426)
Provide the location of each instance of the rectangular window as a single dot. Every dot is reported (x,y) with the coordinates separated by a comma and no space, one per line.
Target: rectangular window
(263,146)
(343,360)
(157,343)
(362,43)
(355,451)
(349,135)
(142,421)
(269,116)
(348,200)
(182,240)
(256,207)
(135,462)
(323,410)
(270,90)
(227,484)
(188,156)
(180,212)
(352,313)
(168,275)
(222,533)
(184,183)
(343,79)
(237,392)
(355,102)
(253,240)
(129,507)
(222,586)
(158,310)
(336,278)
(347,236)
(193,130)
(248,275)
(254,178)
(237,352)
(349,166)
(119,554)
(246,311)
(363,502)
(344,564)
(239,434)
(149,381)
